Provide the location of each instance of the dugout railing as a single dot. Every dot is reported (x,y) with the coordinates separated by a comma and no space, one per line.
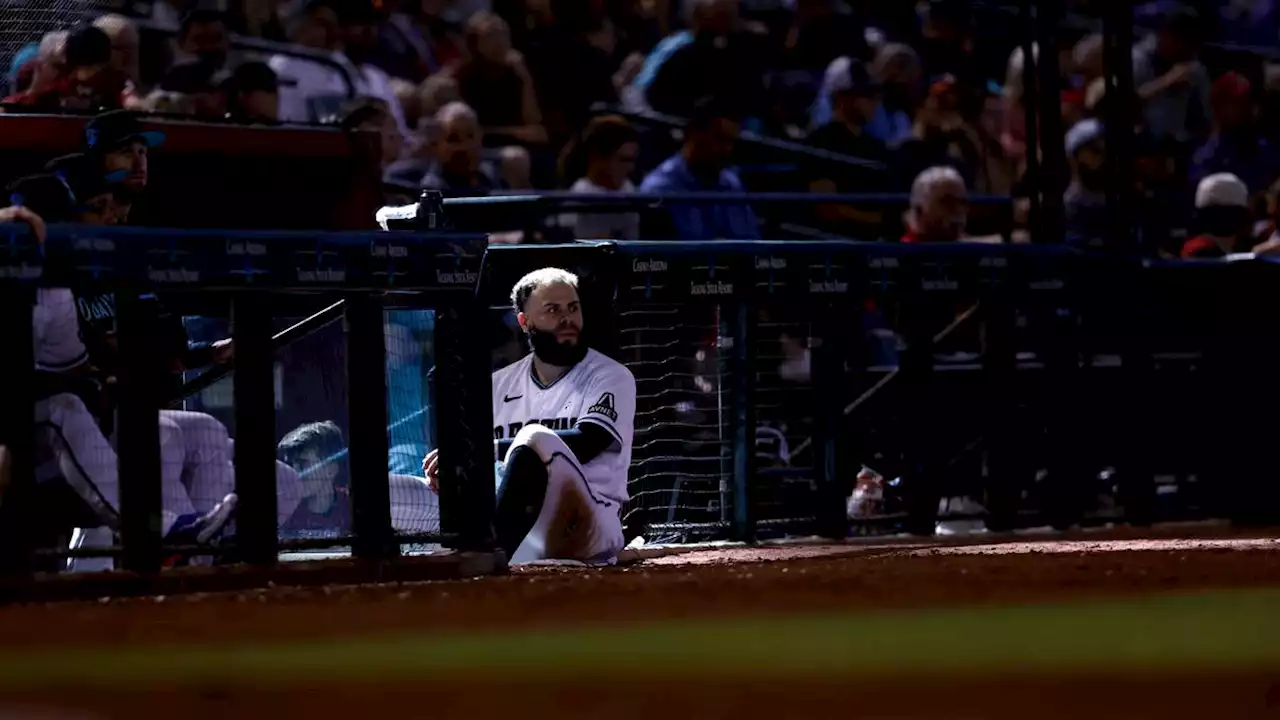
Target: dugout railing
(251,277)
(1049,386)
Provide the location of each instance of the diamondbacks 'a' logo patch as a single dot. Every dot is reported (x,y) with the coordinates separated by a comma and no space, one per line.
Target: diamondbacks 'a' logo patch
(604,406)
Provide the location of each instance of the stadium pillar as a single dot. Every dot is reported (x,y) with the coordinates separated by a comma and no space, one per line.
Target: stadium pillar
(138,444)
(1053,166)
(17,434)
(253,388)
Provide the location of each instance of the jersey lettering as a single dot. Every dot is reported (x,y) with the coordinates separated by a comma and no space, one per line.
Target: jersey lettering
(513,429)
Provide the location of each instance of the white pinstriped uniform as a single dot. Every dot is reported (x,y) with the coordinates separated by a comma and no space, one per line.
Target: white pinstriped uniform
(598,391)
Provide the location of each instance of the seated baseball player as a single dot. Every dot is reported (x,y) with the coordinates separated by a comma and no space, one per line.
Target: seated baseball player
(563,420)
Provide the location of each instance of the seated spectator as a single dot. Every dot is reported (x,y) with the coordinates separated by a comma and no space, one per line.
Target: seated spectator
(460,168)
(996,171)
(22,69)
(939,208)
(1236,145)
(1268,230)
(1171,80)
(311,92)
(201,84)
(1223,218)
(433,41)
(1085,201)
(820,32)
(123,34)
(947,48)
(84,80)
(855,99)
(569,40)
(602,161)
(495,82)
(204,36)
(701,165)
(253,94)
(941,136)
(723,60)
(372,114)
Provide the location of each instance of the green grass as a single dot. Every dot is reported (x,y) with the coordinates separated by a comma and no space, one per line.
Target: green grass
(1213,630)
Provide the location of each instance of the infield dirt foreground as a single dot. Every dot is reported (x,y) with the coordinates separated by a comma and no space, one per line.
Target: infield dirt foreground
(1091,626)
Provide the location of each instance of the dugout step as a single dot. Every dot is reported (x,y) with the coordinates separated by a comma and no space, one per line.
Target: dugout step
(231,578)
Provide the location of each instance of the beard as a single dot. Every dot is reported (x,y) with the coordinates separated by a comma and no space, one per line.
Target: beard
(551,351)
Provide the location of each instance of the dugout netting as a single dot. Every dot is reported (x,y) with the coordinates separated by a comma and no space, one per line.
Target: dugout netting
(27,21)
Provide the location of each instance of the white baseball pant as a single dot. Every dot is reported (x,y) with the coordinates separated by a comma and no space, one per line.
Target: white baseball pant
(574,523)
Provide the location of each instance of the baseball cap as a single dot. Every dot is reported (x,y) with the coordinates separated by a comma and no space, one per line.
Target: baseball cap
(28,53)
(43,194)
(846,75)
(1222,190)
(1081,134)
(83,176)
(112,129)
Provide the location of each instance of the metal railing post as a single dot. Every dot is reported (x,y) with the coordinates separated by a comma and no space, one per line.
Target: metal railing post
(253,388)
(138,444)
(743,374)
(367,414)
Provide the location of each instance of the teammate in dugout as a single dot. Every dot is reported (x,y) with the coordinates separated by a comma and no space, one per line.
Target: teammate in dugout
(563,422)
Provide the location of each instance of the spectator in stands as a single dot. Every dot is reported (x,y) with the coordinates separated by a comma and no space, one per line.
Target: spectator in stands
(855,100)
(1236,145)
(253,94)
(1171,80)
(123,34)
(940,135)
(939,208)
(722,60)
(702,165)
(460,168)
(260,19)
(84,81)
(602,162)
(897,68)
(432,42)
(167,14)
(22,69)
(360,22)
(371,114)
(204,36)
(309,91)
(569,39)
(201,84)
(1267,231)
(1223,218)
(1085,201)
(947,48)
(315,451)
(495,82)
(996,171)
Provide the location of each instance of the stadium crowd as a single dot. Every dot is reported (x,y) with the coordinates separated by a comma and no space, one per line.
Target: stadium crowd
(481,96)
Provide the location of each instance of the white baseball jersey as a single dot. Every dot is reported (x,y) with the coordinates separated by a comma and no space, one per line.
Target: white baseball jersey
(597,390)
(55,330)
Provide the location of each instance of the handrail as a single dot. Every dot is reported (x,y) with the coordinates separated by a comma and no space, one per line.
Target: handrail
(332,60)
(612,202)
(676,123)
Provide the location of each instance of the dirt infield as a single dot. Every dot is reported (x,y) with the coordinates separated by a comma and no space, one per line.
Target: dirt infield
(759,585)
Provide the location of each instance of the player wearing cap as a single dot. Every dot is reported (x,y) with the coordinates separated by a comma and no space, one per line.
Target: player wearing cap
(563,421)
(72,445)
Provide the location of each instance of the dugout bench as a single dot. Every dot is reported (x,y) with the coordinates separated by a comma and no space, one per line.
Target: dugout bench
(253,275)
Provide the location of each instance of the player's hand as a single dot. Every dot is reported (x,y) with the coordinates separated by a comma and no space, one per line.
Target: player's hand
(224,351)
(431,470)
(16,214)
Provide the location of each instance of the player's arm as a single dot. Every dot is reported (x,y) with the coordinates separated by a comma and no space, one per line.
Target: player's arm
(611,398)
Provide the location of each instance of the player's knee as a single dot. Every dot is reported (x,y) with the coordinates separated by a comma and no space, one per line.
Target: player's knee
(524,466)
(65,404)
(205,426)
(543,441)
